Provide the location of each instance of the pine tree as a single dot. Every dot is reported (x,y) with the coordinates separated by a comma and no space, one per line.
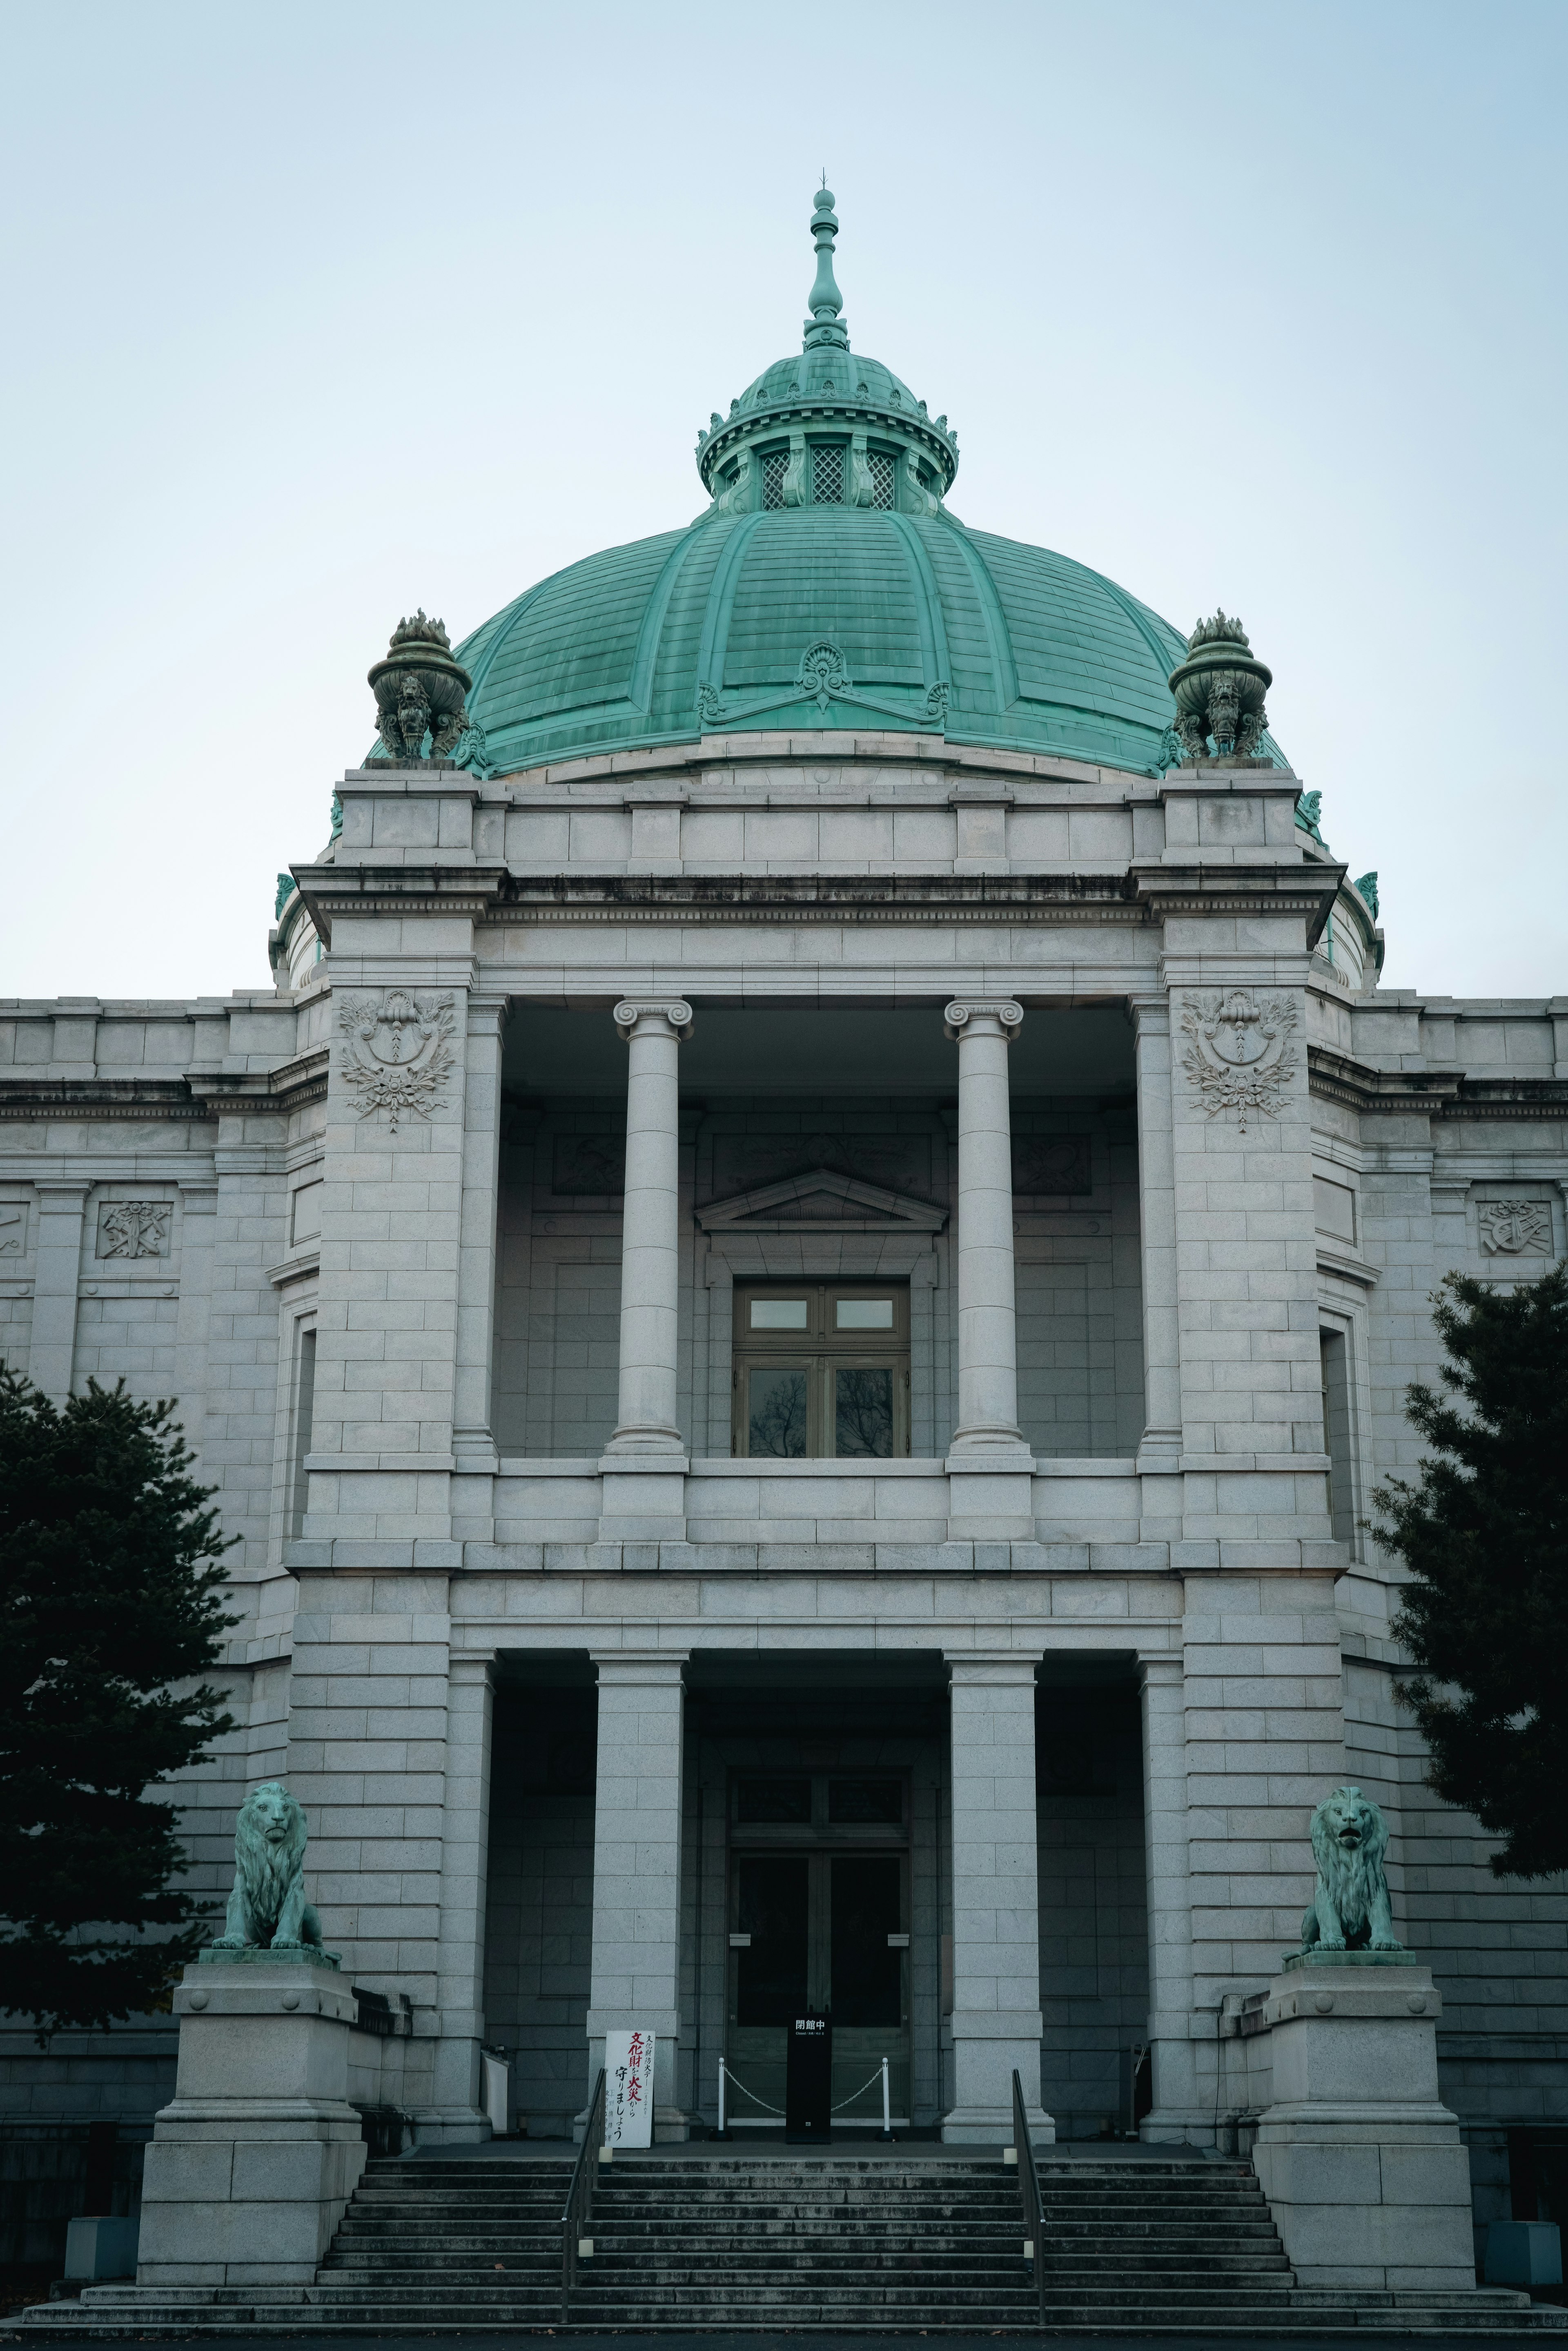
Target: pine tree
(110,1606)
(1485,1535)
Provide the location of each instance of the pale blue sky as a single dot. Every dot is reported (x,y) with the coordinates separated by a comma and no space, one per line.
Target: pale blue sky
(318,313)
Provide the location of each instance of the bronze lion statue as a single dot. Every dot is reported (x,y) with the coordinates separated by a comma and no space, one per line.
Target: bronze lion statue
(1349,1907)
(267,1910)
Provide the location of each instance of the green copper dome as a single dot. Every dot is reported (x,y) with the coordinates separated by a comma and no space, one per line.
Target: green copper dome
(825,587)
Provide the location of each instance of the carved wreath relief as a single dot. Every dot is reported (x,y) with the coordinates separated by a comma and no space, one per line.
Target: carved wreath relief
(134,1229)
(397,1052)
(1240,1053)
(1515,1227)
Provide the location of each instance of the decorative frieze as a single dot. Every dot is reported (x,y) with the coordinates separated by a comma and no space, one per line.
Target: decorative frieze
(1240,1053)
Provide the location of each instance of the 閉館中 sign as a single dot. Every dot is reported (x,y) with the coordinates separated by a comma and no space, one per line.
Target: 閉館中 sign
(629,2089)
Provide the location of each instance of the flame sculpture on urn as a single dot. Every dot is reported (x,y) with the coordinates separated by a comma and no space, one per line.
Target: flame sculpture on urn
(1220,690)
(420,689)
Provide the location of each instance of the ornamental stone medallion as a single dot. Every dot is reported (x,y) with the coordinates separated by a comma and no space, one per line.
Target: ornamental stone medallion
(133,1228)
(1240,1053)
(1515,1227)
(397,1052)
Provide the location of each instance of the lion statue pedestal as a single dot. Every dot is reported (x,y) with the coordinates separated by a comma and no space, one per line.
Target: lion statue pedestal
(1362,2163)
(252,2162)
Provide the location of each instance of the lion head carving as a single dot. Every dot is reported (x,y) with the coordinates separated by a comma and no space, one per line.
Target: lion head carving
(1350,1907)
(267,1910)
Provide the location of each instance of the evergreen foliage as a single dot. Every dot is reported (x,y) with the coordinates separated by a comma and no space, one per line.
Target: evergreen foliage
(110,1606)
(1485,1535)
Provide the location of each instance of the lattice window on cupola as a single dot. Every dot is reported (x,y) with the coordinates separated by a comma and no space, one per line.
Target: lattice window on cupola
(883,491)
(774,468)
(828,476)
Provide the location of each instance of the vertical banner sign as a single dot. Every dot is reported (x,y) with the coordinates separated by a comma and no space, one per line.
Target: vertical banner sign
(808,2080)
(629,2089)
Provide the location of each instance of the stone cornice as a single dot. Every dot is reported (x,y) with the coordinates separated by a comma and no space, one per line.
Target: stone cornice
(289,1087)
(1442,1094)
(469,891)
(203,1095)
(685,898)
(1359,1086)
(1307,891)
(132,1098)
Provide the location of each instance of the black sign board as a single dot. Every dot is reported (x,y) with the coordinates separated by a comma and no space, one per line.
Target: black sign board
(809,2078)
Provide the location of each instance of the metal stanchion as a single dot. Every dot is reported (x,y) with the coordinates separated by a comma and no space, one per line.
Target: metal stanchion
(886,2104)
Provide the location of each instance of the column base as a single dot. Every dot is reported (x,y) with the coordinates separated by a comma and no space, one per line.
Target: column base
(643,1497)
(990,1495)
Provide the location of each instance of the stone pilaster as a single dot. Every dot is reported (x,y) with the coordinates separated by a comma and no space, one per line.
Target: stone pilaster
(396,1145)
(988,1462)
(996,1900)
(456,2109)
(472,1442)
(1175,2116)
(1160,1448)
(637,1868)
(198,1235)
(1254,1472)
(56,1280)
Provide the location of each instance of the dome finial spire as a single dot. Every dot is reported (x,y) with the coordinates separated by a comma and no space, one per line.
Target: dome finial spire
(824,325)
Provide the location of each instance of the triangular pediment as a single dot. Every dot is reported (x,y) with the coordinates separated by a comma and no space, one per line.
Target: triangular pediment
(821,1198)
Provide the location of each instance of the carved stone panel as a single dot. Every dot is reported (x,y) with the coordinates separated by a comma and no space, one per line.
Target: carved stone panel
(1052,1167)
(133,1229)
(1240,1053)
(1515,1227)
(397,1052)
(593,1165)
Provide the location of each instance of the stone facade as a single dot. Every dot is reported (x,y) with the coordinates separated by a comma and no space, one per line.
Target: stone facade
(441,1244)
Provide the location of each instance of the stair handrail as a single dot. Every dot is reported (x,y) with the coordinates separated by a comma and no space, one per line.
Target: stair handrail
(1029,2192)
(578,2209)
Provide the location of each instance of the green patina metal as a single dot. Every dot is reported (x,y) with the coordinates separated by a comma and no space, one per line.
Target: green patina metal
(825,587)
(286,889)
(1366,885)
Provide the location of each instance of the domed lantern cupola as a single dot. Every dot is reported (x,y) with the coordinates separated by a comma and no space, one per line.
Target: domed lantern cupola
(827,428)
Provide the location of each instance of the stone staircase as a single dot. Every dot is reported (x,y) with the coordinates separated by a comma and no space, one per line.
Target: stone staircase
(881,2243)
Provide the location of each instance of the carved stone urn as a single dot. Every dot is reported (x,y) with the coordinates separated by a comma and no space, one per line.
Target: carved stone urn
(1220,690)
(420,689)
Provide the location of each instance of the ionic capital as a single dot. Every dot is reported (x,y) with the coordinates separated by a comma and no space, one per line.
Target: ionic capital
(971,1012)
(672,1009)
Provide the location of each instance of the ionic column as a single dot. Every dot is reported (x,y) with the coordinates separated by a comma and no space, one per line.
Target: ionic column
(996,1900)
(1161,1446)
(636,1969)
(646,1455)
(988,1461)
(56,1280)
(1176,2115)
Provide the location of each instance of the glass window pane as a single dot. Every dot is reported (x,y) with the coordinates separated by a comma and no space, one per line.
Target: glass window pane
(864,1314)
(776,1416)
(866,1800)
(779,1314)
(773,1800)
(867,1977)
(862,1415)
(772,1972)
